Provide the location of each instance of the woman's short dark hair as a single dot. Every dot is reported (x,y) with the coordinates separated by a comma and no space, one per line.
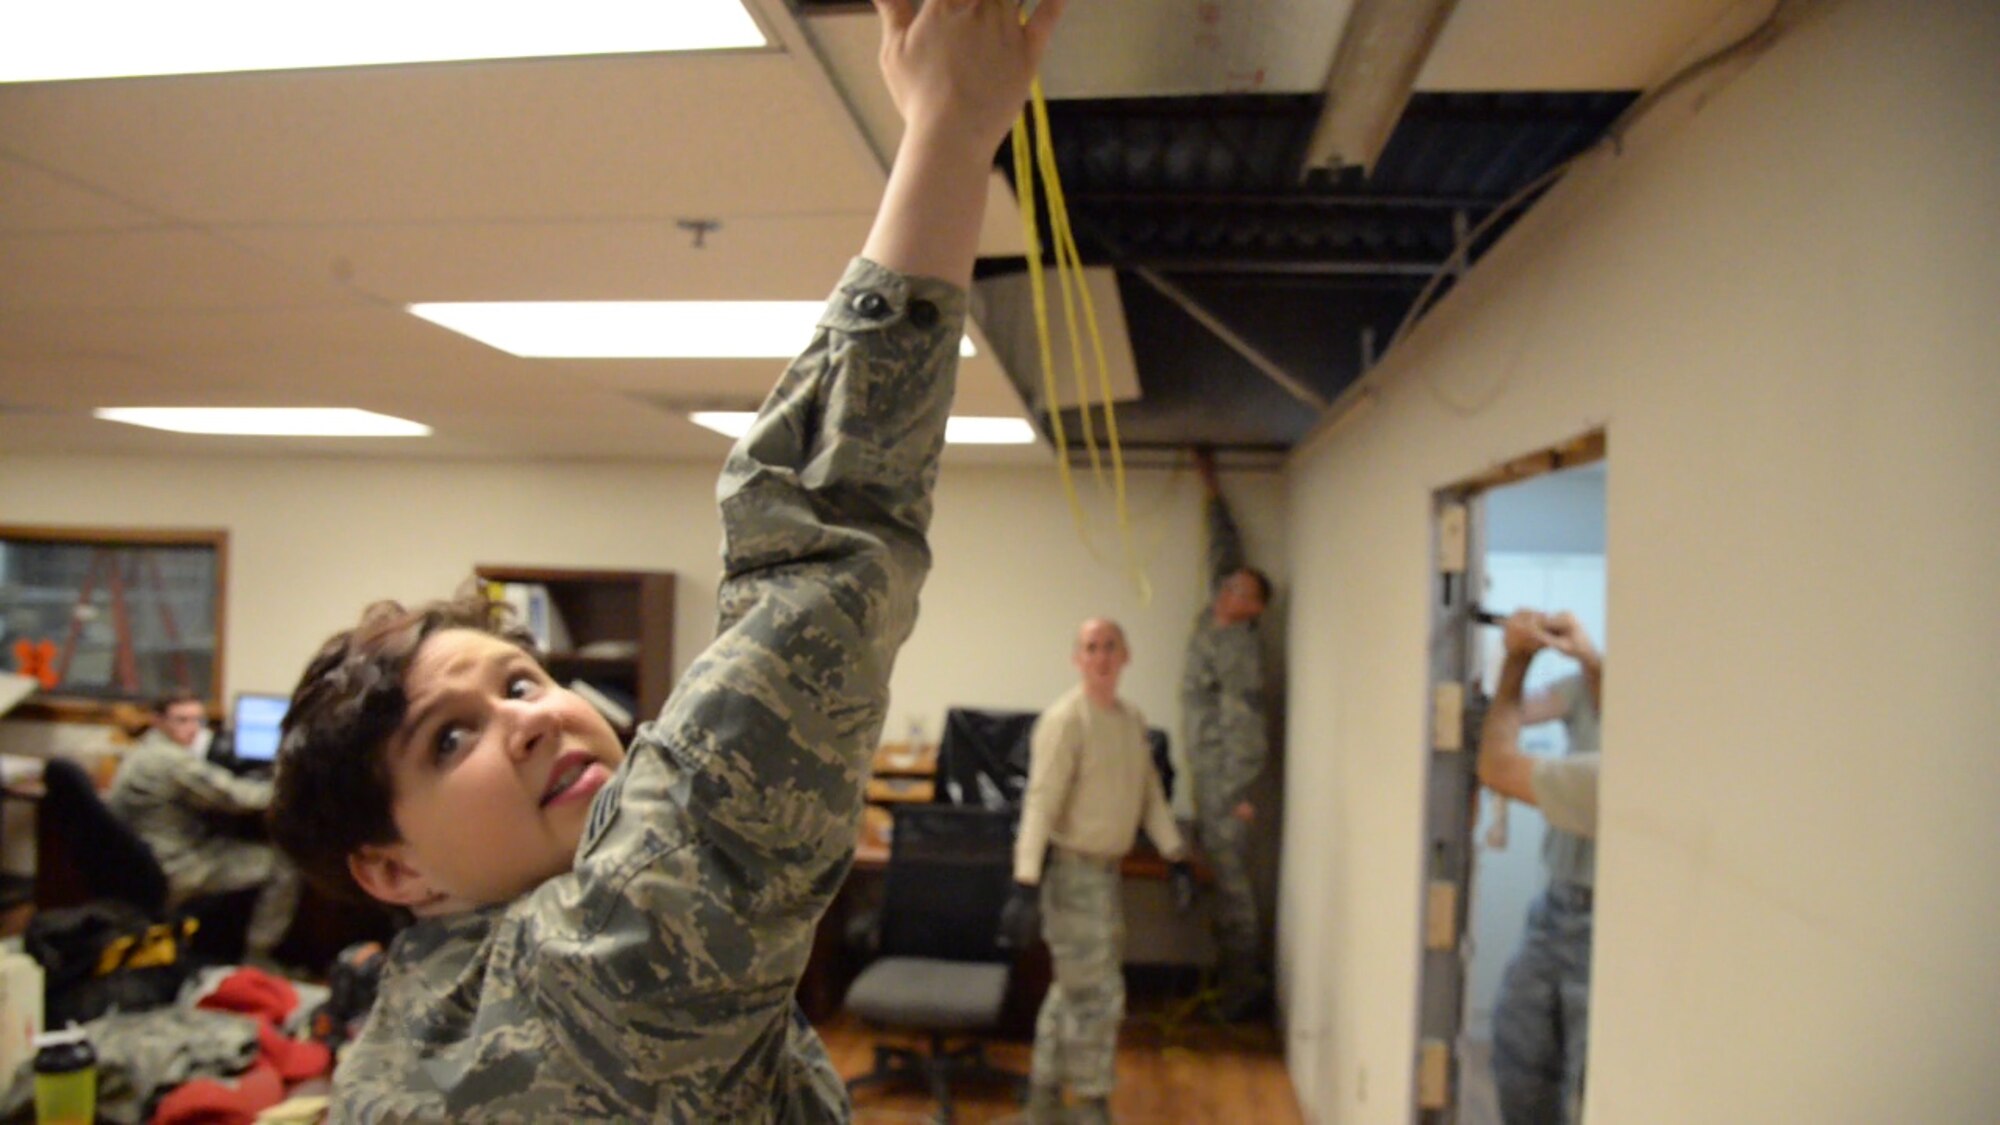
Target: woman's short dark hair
(333,794)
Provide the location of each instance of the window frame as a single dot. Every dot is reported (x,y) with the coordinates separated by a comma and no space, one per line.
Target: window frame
(51,707)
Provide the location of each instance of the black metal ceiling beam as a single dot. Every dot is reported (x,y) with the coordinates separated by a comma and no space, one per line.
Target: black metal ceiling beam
(1591,110)
(1271,267)
(1266,200)
(1162,233)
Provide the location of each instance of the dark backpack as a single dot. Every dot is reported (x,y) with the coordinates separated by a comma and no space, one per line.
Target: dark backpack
(107,955)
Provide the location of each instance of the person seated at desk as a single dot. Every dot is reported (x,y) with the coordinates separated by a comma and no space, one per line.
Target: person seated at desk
(180,804)
(1091,786)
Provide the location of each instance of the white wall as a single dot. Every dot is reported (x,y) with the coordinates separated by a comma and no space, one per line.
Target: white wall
(312,541)
(1780,301)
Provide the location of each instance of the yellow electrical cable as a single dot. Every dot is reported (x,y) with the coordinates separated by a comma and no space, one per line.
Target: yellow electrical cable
(1024,187)
(1066,269)
(1076,295)
(1067,248)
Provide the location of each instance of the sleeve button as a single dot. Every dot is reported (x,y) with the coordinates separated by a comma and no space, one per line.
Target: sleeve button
(871,305)
(923,314)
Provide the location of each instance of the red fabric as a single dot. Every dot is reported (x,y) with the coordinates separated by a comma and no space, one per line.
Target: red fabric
(205,1101)
(295,1059)
(269,999)
(254,992)
(280,1061)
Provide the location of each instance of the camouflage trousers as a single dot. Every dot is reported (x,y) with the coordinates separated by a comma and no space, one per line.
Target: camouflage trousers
(1225,843)
(1083,920)
(1541,1018)
(222,866)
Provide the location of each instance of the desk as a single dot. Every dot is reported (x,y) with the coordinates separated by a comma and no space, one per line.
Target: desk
(871,855)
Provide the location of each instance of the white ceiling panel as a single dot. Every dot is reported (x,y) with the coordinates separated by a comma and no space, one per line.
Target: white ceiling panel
(1566,44)
(380,380)
(1130,48)
(742,133)
(148,269)
(781,257)
(78,383)
(34,201)
(1133,48)
(179,334)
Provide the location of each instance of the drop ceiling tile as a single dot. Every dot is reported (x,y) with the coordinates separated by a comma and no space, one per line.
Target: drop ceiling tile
(548,139)
(149,269)
(34,201)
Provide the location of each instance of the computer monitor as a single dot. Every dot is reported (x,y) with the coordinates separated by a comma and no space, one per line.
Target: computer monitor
(253,727)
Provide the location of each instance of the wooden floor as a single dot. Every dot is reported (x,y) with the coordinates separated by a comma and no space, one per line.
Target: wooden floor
(1183,1073)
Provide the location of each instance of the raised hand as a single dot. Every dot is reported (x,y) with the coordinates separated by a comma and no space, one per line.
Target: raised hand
(963,65)
(1525,633)
(1566,635)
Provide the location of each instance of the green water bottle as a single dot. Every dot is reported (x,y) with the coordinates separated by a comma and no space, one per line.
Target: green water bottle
(65,1078)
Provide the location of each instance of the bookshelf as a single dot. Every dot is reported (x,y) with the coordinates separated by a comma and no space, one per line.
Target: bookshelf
(619,626)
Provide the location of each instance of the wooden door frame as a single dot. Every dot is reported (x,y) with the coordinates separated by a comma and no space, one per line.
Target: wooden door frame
(1451,786)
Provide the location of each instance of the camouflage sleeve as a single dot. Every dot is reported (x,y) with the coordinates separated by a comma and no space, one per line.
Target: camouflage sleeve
(206,786)
(1225,543)
(671,956)
(1052,761)
(1239,672)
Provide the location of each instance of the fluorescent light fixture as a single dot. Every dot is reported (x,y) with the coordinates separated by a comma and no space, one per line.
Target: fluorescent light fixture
(957,430)
(988,431)
(307,421)
(637,329)
(123,38)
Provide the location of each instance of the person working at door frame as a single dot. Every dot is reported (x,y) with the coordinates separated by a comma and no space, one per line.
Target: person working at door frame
(1541,1018)
(1565,788)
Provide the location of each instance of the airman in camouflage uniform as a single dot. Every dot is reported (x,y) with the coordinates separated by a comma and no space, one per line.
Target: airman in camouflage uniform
(1222,704)
(653,978)
(172,800)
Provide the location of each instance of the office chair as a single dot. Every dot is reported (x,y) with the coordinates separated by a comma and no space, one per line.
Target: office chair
(982,756)
(84,852)
(941,970)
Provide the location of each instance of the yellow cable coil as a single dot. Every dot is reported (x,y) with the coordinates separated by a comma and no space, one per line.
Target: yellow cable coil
(1030,156)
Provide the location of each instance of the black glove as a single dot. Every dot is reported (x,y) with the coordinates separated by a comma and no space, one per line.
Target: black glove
(1181,880)
(1017,918)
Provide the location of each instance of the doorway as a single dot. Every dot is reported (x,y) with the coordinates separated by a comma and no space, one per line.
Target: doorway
(1544,549)
(1529,534)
